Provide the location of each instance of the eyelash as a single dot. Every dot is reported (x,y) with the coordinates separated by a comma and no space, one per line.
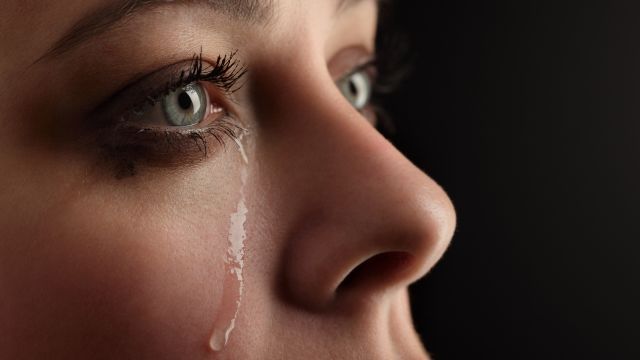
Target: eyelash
(225,74)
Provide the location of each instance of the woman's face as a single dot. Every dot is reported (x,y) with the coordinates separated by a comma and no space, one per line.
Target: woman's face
(193,180)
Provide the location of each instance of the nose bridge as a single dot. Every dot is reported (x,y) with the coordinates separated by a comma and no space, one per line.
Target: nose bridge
(366,215)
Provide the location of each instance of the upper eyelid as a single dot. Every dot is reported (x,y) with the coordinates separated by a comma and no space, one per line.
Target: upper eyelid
(349,60)
(136,92)
(366,65)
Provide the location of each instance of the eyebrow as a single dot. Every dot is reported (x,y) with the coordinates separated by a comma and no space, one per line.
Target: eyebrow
(105,18)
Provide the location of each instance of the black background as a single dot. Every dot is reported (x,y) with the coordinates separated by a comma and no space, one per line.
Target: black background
(528,114)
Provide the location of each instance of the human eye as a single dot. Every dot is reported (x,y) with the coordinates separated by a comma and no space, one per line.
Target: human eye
(371,78)
(169,118)
(357,86)
(187,106)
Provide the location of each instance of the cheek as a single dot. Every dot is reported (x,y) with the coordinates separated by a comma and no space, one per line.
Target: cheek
(101,280)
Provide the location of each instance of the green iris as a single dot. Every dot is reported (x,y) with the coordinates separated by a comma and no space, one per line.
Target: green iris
(186,106)
(356,88)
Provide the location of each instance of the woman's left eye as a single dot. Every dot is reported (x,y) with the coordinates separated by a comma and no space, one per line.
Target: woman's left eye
(357,88)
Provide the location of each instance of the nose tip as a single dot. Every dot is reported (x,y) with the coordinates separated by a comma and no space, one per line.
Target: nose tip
(365,220)
(370,246)
(408,250)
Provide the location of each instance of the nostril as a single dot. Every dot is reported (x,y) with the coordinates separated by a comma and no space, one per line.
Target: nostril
(379,271)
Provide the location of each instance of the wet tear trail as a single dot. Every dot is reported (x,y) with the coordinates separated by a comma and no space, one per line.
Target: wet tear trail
(233,283)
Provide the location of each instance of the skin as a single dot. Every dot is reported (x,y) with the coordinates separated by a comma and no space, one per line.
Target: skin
(99,266)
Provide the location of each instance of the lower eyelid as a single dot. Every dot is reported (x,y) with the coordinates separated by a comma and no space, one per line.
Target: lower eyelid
(131,147)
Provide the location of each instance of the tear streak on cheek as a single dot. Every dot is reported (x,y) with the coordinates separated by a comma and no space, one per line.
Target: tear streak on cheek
(233,286)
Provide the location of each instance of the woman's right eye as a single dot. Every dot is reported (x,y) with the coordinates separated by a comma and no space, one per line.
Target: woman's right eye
(185,107)
(171,116)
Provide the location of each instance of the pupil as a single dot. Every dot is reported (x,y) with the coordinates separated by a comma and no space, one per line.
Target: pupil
(184,100)
(352,88)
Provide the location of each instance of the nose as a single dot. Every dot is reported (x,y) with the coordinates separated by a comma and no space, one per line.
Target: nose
(365,220)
